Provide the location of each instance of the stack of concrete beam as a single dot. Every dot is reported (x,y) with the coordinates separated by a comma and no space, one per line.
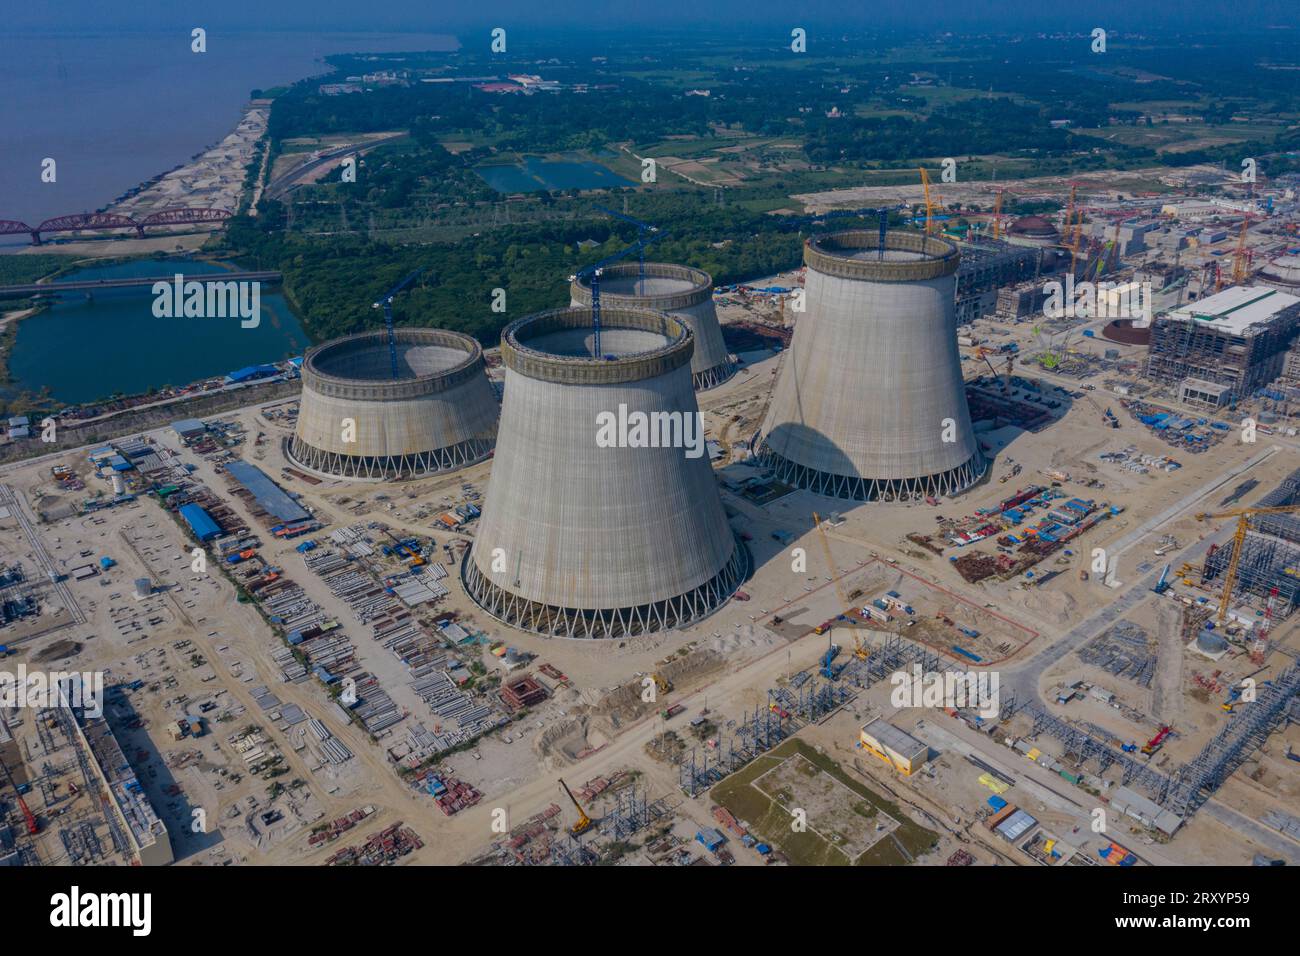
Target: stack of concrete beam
(584,538)
(870,403)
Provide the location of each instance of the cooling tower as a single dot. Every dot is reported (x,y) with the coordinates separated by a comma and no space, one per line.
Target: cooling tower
(677,290)
(583,538)
(870,403)
(439,414)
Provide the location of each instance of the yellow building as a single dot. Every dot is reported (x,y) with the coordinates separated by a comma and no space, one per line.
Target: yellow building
(897,748)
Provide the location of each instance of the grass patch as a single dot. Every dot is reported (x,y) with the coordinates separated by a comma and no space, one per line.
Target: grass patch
(769,820)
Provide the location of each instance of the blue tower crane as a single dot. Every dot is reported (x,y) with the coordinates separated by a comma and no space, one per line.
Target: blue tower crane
(593,271)
(386,300)
(642,230)
(881,214)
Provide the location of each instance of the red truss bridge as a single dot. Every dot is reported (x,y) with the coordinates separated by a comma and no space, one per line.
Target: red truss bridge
(104,221)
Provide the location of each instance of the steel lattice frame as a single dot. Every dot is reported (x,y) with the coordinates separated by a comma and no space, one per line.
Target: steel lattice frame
(388,467)
(713,377)
(605,623)
(857,488)
(1248,728)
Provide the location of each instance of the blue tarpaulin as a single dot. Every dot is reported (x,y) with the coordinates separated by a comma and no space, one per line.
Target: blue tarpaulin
(269,495)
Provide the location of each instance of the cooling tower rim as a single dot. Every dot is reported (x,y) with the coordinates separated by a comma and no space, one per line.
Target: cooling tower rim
(369,389)
(825,254)
(701,286)
(545,366)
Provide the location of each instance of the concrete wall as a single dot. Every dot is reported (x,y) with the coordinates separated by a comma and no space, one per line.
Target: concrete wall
(581,526)
(678,290)
(441,413)
(871,375)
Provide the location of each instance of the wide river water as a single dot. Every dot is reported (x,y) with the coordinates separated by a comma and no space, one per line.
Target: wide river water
(116,109)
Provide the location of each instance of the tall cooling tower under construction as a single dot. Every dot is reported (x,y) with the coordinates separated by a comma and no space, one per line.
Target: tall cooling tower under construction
(583,537)
(678,290)
(357,421)
(870,404)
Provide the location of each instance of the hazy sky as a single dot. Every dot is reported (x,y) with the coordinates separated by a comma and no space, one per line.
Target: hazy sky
(452,15)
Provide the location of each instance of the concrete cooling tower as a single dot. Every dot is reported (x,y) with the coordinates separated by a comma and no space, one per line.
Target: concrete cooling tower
(438,414)
(870,403)
(677,290)
(591,529)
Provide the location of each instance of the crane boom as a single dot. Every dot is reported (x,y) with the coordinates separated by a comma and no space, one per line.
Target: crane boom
(642,228)
(929,204)
(1243,516)
(386,302)
(830,563)
(584,821)
(594,272)
(1240,262)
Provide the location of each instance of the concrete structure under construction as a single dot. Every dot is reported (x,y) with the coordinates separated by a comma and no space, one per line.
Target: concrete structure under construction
(1238,337)
(602,517)
(678,290)
(870,403)
(357,421)
(987,266)
(137,829)
(1282,273)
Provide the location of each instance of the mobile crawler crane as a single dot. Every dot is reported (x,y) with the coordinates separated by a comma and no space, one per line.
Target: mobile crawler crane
(584,821)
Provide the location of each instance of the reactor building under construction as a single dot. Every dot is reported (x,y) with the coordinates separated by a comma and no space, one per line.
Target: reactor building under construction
(364,418)
(870,403)
(602,518)
(678,290)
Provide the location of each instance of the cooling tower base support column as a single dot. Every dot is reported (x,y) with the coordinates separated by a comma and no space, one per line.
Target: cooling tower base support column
(389,467)
(943,485)
(515,611)
(713,377)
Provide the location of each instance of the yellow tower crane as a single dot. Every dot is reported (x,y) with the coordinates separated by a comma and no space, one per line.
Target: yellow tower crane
(1243,516)
(997,215)
(929,201)
(859,650)
(1240,263)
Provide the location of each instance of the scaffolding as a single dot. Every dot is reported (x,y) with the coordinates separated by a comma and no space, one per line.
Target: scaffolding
(1270,552)
(1185,345)
(1244,733)
(631,813)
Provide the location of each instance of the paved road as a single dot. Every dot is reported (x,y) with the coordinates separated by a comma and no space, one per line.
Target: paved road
(1023,679)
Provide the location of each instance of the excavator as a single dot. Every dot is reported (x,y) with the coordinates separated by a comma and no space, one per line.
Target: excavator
(584,821)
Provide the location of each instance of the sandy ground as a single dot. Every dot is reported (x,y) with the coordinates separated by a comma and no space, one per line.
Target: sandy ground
(594,728)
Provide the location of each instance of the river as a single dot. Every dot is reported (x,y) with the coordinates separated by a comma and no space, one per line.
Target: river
(114,109)
(87,349)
